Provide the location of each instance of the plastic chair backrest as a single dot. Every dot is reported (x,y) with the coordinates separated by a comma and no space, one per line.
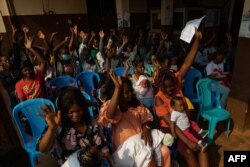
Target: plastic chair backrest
(120,70)
(30,109)
(90,109)
(88,79)
(63,81)
(192,76)
(208,92)
(148,69)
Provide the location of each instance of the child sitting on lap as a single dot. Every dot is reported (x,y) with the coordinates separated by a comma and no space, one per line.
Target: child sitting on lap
(189,128)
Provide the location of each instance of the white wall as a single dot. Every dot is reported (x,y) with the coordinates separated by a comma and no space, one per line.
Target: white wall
(245,23)
(3,8)
(35,7)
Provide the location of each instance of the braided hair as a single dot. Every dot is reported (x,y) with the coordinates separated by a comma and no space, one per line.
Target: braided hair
(165,74)
(88,158)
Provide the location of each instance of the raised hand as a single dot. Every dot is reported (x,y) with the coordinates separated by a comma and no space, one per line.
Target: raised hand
(28,42)
(40,34)
(128,64)
(93,34)
(101,34)
(116,79)
(53,119)
(198,34)
(124,39)
(14,30)
(164,36)
(66,39)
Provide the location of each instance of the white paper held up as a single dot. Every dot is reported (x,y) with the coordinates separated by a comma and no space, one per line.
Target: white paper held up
(189,30)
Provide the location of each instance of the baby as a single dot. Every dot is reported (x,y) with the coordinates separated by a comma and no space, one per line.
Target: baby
(189,128)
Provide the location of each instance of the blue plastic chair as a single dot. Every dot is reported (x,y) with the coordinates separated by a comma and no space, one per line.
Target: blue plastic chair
(208,110)
(90,109)
(63,81)
(120,70)
(88,80)
(192,76)
(30,109)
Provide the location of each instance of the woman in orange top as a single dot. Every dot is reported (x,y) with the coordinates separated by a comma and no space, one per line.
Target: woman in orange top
(127,115)
(169,86)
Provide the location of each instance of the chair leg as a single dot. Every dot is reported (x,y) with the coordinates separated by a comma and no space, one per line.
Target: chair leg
(212,125)
(228,127)
(198,116)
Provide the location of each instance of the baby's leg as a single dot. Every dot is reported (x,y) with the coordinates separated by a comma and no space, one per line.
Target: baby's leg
(190,135)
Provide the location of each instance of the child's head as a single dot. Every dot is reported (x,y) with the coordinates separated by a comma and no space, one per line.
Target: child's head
(27,70)
(73,107)
(219,57)
(177,103)
(139,67)
(129,48)
(5,62)
(127,94)
(164,61)
(89,157)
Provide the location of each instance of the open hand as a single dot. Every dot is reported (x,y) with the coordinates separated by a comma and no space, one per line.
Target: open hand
(198,34)
(40,34)
(28,42)
(53,119)
(101,34)
(116,79)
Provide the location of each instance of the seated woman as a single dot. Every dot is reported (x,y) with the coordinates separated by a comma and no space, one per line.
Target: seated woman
(169,84)
(126,115)
(190,128)
(71,128)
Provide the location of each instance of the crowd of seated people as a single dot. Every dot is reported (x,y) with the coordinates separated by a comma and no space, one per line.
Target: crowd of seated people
(127,104)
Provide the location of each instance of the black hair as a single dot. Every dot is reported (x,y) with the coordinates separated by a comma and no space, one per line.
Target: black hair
(165,74)
(87,158)
(26,63)
(161,59)
(134,102)
(137,62)
(68,97)
(108,85)
(175,99)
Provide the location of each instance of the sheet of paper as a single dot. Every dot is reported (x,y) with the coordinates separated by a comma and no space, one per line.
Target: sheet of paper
(189,30)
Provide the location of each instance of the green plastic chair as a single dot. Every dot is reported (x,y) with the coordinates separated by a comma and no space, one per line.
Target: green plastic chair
(209,91)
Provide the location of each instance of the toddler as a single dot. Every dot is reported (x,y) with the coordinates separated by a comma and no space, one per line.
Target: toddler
(189,128)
